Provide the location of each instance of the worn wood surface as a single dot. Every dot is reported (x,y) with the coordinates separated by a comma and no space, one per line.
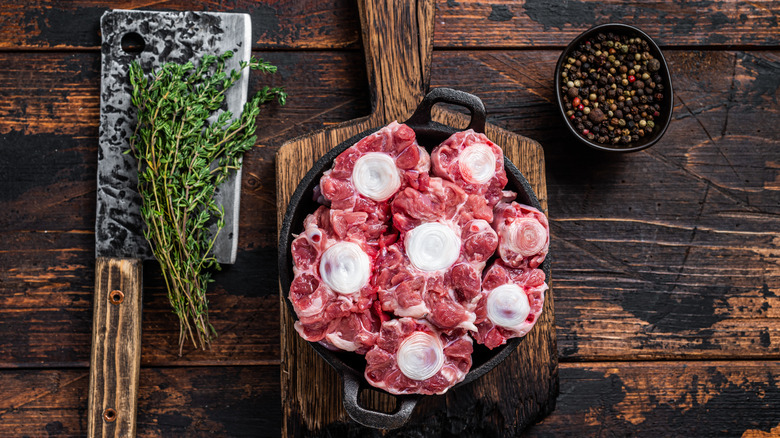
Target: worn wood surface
(115,362)
(47,244)
(695,399)
(670,253)
(334,24)
(398,48)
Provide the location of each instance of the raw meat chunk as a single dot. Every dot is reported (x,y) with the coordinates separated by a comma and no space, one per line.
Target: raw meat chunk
(331,276)
(436,270)
(355,332)
(412,357)
(510,303)
(523,234)
(441,200)
(474,163)
(366,176)
(407,291)
(391,266)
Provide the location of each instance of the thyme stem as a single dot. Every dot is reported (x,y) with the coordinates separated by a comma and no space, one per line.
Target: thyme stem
(182,158)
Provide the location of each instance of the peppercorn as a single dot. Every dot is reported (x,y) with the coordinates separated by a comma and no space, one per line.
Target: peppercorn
(653,65)
(612,82)
(597,116)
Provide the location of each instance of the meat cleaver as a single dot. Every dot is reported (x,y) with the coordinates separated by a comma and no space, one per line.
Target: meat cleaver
(151,38)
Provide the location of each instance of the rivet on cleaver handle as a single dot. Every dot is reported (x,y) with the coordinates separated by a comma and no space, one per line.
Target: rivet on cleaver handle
(168,37)
(120,244)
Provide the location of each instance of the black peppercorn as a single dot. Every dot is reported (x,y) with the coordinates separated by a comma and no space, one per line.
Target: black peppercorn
(653,65)
(611,89)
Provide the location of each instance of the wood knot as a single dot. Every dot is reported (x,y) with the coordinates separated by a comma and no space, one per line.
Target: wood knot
(116,296)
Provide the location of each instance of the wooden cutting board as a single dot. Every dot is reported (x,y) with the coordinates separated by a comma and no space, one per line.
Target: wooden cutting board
(398,42)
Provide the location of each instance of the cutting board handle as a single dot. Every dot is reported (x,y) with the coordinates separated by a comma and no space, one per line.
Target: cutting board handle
(116,348)
(370,418)
(422,117)
(398,43)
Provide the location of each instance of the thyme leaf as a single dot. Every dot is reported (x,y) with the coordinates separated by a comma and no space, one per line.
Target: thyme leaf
(185,147)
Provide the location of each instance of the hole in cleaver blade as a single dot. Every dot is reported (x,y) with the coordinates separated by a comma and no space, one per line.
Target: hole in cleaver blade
(161,37)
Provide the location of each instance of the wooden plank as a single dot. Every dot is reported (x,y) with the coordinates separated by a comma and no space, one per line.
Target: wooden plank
(334,24)
(535,23)
(398,48)
(630,398)
(623,224)
(703,399)
(670,252)
(48,168)
(194,402)
(64,24)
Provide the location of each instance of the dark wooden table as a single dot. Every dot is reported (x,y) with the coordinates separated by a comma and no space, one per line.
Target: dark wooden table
(666,261)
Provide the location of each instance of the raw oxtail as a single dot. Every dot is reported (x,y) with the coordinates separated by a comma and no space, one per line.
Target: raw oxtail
(523,234)
(391,265)
(365,177)
(510,303)
(413,357)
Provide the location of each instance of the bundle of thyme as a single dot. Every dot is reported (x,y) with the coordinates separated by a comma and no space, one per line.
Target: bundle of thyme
(183,156)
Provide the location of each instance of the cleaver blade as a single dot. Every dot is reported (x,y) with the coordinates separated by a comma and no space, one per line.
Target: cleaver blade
(167,37)
(151,38)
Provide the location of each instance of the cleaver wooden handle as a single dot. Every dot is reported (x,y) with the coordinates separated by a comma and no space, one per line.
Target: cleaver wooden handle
(116,348)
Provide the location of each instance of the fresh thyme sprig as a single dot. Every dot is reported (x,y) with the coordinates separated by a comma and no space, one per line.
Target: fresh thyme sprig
(184,152)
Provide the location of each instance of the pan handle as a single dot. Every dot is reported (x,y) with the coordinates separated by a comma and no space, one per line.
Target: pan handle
(422,116)
(366,417)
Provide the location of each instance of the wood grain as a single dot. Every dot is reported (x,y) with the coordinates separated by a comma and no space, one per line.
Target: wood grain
(333,24)
(320,411)
(115,362)
(398,54)
(671,252)
(622,223)
(225,401)
(696,399)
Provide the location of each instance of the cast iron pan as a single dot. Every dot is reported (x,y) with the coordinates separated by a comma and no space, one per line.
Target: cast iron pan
(351,366)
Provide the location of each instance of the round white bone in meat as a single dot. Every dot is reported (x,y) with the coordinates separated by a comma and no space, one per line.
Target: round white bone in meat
(345,267)
(375,176)
(420,356)
(525,236)
(507,306)
(432,246)
(477,163)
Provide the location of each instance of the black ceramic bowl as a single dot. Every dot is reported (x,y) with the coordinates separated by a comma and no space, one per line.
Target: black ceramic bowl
(351,366)
(661,122)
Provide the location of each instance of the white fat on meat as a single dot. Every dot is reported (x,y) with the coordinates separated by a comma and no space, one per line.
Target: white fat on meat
(345,267)
(507,306)
(432,246)
(375,176)
(420,356)
(477,163)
